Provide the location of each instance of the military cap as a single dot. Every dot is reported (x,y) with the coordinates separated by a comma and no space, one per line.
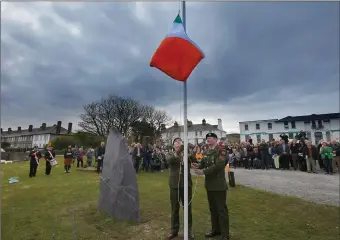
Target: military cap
(211,135)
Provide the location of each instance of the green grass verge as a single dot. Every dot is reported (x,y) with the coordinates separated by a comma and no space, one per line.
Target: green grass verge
(34,209)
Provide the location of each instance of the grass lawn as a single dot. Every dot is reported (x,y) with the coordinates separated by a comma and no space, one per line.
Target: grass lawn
(35,209)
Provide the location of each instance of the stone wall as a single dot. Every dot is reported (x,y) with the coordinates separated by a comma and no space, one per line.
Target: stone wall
(14,156)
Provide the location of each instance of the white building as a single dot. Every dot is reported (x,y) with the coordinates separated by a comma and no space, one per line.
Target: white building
(196,132)
(317,127)
(28,138)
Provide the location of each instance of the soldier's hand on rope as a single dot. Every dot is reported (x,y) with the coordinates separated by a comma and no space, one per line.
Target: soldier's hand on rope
(198,172)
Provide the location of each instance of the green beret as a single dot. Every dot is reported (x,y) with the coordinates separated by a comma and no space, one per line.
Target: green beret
(211,135)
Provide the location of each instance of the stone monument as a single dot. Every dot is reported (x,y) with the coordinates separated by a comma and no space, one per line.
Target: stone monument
(119,195)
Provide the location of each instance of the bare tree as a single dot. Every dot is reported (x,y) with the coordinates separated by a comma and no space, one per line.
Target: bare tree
(92,121)
(122,113)
(148,113)
(160,118)
(113,111)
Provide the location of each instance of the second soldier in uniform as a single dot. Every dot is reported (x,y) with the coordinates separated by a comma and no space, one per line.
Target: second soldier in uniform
(212,166)
(176,184)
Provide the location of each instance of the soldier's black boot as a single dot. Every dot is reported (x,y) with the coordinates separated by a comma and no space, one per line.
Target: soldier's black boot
(172,235)
(212,234)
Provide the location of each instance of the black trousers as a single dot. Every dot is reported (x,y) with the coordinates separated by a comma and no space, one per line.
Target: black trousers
(80,160)
(33,168)
(321,163)
(99,165)
(295,160)
(48,168)
(265,159)
(328,165)
(137,163)
(67,168)
(284,161)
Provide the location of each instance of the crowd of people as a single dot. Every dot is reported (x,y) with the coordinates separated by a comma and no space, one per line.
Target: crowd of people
(286,155)
(283,154)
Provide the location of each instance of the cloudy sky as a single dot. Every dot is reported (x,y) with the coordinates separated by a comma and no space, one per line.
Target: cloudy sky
(263,60)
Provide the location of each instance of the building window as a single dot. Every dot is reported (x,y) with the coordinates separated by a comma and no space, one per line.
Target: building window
(258,138)
(246,127)
(318,136)
(313,124)
(290,135)
(200,133)
(257,126)
(246,137)
(293,124)
(328,136)
(45,137)
(271,136)
(319,123)
(286,125)
(309,135)
(270,126)
(196,133)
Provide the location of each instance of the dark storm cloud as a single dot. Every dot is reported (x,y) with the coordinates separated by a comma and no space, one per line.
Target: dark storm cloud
(275,45)
(81,52)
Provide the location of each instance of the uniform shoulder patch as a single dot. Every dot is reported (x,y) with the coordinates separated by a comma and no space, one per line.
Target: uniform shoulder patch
(223,151)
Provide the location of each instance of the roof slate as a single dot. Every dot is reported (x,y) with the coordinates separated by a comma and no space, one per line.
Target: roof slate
(311,117)
(35,131)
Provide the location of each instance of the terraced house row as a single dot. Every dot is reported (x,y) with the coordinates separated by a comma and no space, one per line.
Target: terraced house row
(317,127)
(30,137)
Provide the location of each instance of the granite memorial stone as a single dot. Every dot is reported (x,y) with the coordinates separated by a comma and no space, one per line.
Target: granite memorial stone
(119,195)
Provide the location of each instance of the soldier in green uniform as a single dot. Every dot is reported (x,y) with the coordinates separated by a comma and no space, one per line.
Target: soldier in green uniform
(176,184)
(212,166)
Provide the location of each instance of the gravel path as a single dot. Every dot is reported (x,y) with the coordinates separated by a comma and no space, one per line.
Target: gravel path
(318,188)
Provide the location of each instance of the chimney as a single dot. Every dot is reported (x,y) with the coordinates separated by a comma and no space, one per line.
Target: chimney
(9,130)
(203,122)
(69,129)
(58,130)
(30,128)
(43,126)
(19,129)
(219,124)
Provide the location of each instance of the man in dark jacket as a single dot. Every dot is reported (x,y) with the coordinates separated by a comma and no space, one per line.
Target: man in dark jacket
(49,155)
(137,156)
(264,154)
(100,157)
(34,156)
(284,155)
(294,150)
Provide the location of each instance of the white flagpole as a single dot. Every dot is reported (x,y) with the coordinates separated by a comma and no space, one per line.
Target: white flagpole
(185,138)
